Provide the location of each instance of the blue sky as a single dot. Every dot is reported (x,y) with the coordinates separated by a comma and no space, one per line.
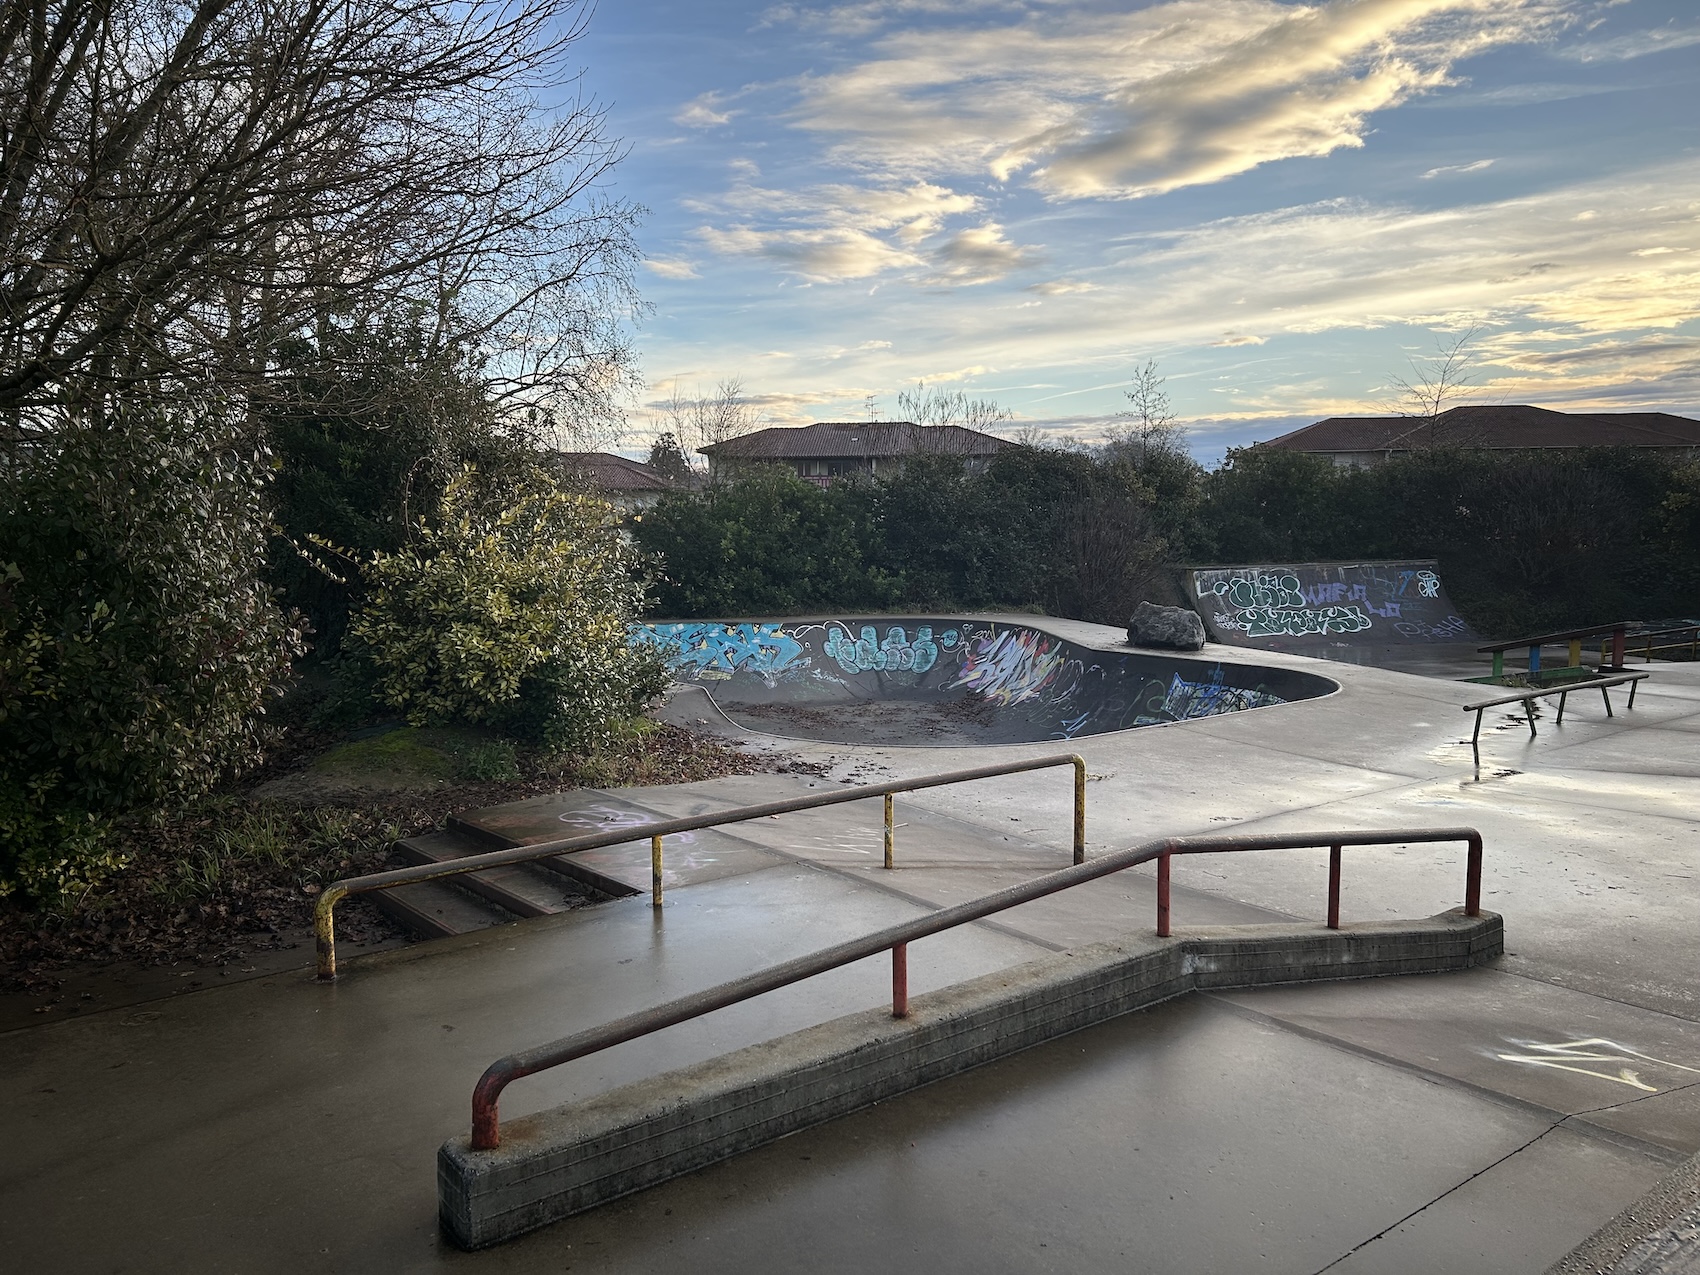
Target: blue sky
(1280,203)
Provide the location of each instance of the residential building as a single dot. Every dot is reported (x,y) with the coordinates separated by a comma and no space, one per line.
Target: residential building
(1360,441)
(629,485)
(828,450)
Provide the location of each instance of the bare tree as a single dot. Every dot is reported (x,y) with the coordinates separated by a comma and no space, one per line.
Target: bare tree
(1147,429)
(708,418)
(935,407)
(1433,390)
(187,183)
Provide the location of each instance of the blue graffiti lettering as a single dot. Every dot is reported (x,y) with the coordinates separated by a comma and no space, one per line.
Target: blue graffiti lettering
(897,654)
(719,650)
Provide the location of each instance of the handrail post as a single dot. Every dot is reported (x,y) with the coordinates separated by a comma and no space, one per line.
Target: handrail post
(324,927)
(900,980)
(1079,809)
(889,831)
(1163,895)
(1473,877)
(1334,887)
(655,872)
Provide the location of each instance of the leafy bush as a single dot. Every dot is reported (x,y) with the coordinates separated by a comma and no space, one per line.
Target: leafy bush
(509,610)
(368,427)
(763,542)
(138,645)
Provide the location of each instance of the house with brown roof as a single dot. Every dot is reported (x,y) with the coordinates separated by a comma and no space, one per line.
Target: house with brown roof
(828,450)
(629,485)
(1360,441)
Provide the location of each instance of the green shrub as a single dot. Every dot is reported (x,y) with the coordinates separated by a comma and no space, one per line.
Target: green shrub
(138,645)
(509,611)
(764,541)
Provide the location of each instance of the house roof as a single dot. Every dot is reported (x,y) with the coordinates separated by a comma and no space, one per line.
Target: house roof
(861,439)
(608,472)
(1511,426)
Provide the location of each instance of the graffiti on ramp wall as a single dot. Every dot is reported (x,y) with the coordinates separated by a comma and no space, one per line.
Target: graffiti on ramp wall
(1375,603)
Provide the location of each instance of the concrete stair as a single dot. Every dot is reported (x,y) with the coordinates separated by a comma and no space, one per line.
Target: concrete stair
(479,900)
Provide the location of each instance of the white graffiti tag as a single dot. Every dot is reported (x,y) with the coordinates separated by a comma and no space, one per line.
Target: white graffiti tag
(1598,1054)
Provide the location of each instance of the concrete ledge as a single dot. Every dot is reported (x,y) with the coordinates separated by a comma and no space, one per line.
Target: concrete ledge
(564,1161)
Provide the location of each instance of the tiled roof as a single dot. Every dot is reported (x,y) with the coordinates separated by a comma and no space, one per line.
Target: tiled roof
(839,439)
(1511,426)
(609,472)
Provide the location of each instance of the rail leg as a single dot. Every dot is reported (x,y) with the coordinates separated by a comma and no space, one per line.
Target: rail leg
(1617,648)
(1477,733)
(900,980)
(1162,896)
(1079,810)
(1632,687)
(655,872)
(1562,696)
(1333,887)
(1575,652)
(889,831)
(1606,696)
(1529,712)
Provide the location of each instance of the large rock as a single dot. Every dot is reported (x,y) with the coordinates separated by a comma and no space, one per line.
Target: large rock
(1172,628)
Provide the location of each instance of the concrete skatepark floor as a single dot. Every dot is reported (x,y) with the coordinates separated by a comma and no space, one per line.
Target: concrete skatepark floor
(1478,1122)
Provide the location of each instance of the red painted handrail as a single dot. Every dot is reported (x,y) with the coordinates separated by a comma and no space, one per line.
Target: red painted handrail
(486,1134)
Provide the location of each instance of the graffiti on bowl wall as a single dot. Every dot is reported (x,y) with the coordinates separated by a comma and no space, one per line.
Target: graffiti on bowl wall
(1037,685)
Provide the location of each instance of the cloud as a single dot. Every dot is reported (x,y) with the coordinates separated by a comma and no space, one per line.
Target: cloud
(1458,168)
(1234,338)
(671,268)
(1635,44)
(866,16)
(1182,93)
(839,231)
(822,255)
(1547,287)
(979,255)
(1061,287)
(702,113)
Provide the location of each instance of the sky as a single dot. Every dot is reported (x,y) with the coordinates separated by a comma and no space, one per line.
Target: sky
(1288,206)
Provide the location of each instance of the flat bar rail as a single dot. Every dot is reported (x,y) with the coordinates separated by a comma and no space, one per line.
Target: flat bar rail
(324,919)
(1563,690)
(486,1130)
(1622,633)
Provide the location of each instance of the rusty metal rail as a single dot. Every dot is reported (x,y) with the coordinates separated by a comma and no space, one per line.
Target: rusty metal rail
(331,895)
(486,1132)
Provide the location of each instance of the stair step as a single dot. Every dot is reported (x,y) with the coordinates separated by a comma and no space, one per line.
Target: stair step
(431,910)
(521,892)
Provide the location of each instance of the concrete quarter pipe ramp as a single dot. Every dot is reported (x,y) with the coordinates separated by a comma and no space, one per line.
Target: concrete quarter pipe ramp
(1317,608)
(919,680)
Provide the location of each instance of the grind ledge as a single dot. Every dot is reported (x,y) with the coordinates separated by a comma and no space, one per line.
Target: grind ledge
(556,1163)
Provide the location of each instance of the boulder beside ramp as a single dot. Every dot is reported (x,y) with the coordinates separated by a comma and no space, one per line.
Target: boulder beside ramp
(1312,607)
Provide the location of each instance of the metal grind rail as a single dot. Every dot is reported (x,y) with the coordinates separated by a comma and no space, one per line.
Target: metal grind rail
(324,920)
(1614,649)
(486,1133)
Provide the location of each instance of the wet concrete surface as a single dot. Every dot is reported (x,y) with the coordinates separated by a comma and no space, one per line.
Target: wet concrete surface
(1396,1125)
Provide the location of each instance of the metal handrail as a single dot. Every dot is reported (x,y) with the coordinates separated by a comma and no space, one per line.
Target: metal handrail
(324,922)
(1547,639)
(486,1132)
